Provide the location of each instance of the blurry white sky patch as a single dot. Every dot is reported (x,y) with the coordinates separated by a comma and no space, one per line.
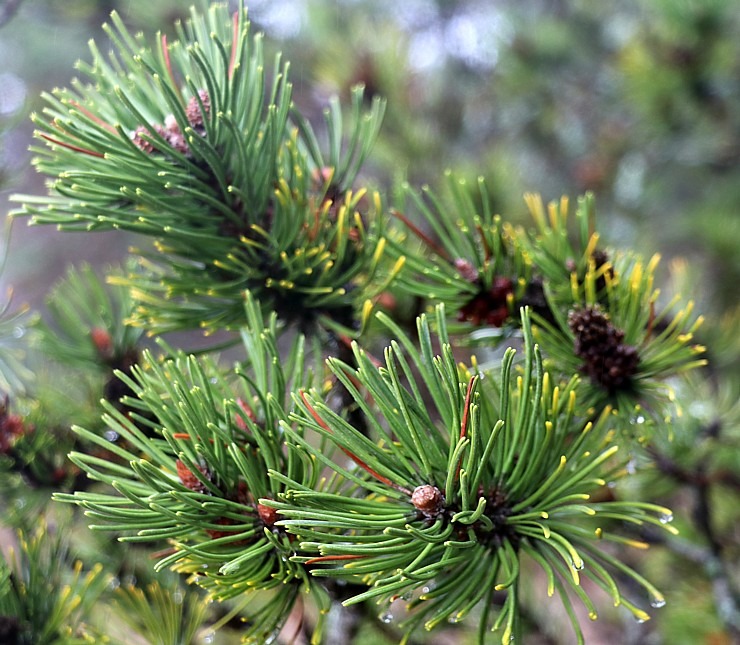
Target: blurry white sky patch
(473,35)
(279,18)
(12,93)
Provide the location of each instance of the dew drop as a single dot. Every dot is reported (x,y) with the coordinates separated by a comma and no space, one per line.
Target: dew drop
(453,618)
(666,518)
(209,637)
(111,435)
(386,617)
(657,602)
(114,583)
(639,619)
(578,566)
(18,332)
(631,466)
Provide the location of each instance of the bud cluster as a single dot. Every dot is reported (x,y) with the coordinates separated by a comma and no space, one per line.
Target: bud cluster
(195,111)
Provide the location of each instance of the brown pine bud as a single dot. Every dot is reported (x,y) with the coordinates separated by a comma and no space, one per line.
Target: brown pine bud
(141,142)
(322,176)
(190,480)
(249,413)
(267,514)
(491,306)
(428,499)
(466,270)
(217,533)
(174,135)
(12,427)
(242,494)
(103,342)
(193,111)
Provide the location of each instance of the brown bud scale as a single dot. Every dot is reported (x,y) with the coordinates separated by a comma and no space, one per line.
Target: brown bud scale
(428,499)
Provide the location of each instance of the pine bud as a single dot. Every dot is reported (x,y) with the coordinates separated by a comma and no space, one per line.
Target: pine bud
(138,137)
(219,533)
(428,499)
(491,306)
(174,135)
(11,428)
(466,270)
(249,413)
(103,342)
(322,176)
(193,111)
(188,479)
(267,514)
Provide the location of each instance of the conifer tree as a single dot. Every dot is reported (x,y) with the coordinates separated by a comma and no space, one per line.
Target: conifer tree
(433,469)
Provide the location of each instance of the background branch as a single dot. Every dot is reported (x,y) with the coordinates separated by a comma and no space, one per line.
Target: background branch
(7,10)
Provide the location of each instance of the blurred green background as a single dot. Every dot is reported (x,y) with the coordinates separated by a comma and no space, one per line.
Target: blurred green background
(637,101)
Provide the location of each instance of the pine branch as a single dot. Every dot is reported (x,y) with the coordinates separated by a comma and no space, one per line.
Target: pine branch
(491,482)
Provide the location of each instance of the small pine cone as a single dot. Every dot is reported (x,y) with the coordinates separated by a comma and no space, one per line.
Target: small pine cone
(620,368)
(189,480)
(608,361)
(466,270)
(428,499)
(591,329)
(138,137)
(193,112)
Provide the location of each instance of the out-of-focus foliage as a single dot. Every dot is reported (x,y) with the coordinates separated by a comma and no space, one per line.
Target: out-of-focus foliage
(637,101)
